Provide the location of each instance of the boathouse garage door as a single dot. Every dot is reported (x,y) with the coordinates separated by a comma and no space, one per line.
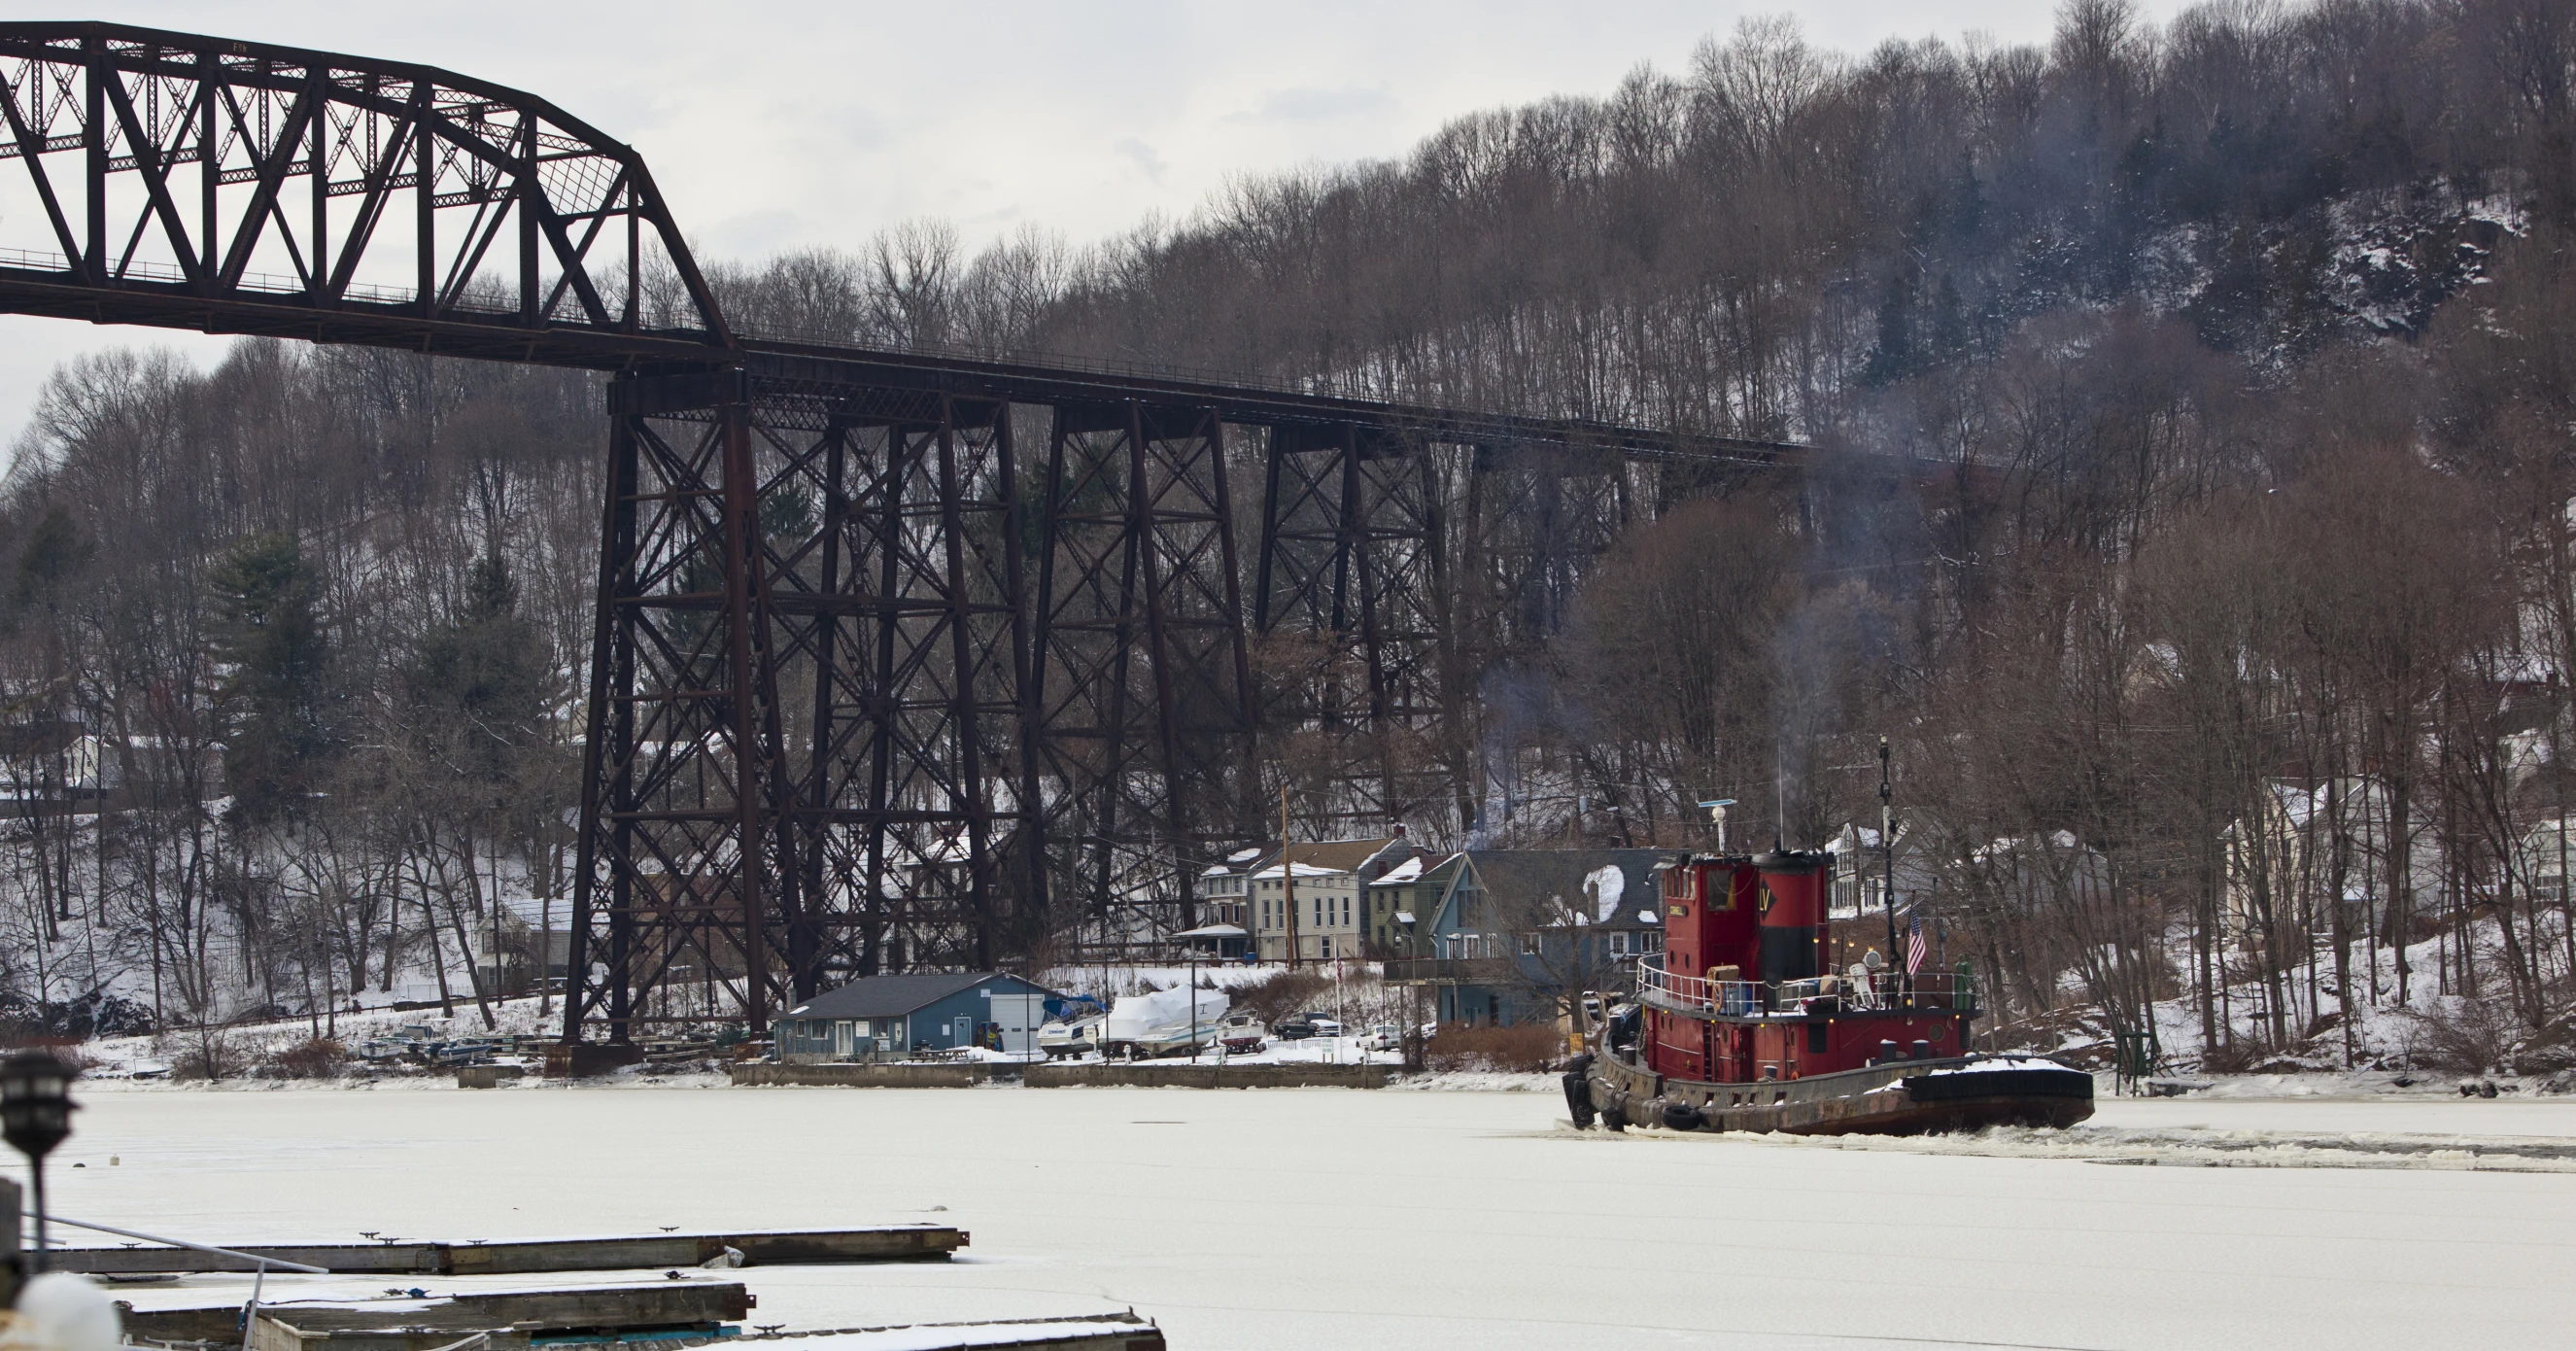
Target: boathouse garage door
(1019,1016)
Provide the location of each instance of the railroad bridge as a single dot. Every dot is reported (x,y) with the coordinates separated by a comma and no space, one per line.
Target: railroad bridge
(901,659)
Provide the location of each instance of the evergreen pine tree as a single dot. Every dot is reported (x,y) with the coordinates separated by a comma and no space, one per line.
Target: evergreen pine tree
(278,702)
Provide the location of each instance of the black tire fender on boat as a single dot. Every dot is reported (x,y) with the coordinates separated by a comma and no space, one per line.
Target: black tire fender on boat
(1681,1116)
(1578,1093)
(1614,1113)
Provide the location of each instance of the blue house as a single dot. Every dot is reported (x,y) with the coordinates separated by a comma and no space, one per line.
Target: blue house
(890,1017)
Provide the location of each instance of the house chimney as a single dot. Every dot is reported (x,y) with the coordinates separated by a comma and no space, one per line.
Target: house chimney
(1396,829)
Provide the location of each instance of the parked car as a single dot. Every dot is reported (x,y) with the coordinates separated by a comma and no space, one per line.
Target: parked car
(1383,1037)
(1065,1039)
(1304,1025)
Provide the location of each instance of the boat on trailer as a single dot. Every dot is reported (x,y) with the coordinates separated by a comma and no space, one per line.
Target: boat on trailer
(1741,1024)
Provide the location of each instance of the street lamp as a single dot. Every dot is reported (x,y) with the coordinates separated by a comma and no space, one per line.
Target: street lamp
(35,1115)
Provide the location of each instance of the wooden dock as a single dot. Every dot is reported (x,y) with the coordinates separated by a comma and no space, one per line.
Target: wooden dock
(507,1257)
(682,1316)
(663,1307)
(1094,1332)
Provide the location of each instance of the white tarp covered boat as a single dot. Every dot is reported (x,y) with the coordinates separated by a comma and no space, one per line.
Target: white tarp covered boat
(1163,1022)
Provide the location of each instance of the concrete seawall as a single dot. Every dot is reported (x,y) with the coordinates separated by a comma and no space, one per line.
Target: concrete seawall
(1147,1075)
(863,1076)
(1112,1075)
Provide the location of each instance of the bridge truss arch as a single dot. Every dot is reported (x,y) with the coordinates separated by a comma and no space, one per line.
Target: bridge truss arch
(192,182)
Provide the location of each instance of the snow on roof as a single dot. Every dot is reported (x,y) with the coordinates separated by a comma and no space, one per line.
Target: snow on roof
(1649,917)
(1409,870)
(1606,884)
(1588,886)
(1212,931)
(1252,855)
(1404,917)
(1303,870)
(1346,856)
(895,996)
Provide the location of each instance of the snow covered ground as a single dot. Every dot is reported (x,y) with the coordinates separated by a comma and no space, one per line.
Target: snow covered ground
(1337,1218)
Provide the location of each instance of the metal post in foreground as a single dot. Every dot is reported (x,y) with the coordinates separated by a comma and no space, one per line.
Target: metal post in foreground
(35,1115)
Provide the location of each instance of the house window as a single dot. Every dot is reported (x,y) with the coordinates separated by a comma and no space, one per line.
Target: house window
(1529,945)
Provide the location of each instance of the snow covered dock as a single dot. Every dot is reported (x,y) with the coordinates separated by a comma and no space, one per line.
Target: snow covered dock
(606,1252)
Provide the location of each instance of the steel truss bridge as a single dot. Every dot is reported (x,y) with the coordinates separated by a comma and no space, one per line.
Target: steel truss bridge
(901,660)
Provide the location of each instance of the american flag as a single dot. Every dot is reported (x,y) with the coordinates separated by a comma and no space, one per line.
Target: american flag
(1915,947)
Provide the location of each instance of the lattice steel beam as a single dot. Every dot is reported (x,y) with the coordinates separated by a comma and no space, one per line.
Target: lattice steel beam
(1141,687)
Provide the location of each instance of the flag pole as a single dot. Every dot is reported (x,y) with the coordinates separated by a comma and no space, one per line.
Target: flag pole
(1887,849)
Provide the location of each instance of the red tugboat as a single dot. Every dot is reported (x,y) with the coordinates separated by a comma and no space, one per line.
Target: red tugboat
(1742,1025)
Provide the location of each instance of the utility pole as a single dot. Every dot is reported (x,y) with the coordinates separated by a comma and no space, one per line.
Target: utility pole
(1887,850)
(1287,876)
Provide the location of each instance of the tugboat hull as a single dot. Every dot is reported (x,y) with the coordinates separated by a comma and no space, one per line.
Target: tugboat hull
(1909,1098)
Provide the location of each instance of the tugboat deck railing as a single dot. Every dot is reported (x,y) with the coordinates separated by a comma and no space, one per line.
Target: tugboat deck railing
(1883,991)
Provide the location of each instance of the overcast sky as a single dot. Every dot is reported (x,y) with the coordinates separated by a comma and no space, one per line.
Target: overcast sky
(782,124)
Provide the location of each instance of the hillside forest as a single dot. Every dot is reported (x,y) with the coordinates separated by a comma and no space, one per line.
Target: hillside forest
(2223,642)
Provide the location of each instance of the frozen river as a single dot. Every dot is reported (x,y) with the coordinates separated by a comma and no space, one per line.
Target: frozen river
(1334,1218)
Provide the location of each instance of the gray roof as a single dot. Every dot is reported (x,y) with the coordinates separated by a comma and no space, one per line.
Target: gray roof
(893,996)
(1527,879)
